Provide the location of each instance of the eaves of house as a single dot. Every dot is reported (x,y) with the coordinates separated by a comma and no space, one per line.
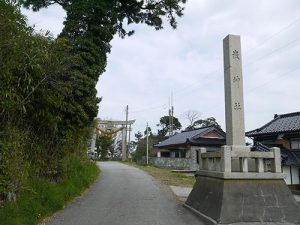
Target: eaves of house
(194,137)
(281,124)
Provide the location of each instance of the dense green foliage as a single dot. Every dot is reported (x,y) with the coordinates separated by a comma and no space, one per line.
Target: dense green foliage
(104,144)
(141,146)
(108,16)
(90,25)
(204,123)
(40,198)
(47,104)
(138,135)
(47,91)
(165,125)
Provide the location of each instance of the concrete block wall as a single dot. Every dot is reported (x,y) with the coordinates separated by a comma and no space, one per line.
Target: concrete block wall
(171,163)
(194,165)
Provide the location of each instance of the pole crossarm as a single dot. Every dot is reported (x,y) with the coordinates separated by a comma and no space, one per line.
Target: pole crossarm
(116,122)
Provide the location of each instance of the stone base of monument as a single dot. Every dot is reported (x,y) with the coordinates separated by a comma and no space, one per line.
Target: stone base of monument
(229,201)
(221,196)
(236,185)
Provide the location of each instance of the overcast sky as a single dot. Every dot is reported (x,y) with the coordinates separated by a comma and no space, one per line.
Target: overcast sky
(143,70)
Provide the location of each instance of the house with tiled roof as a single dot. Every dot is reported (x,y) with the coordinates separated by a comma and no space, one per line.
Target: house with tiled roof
(182,150)
(282,131)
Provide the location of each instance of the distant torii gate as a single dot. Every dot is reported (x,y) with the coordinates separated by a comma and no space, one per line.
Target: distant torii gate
(112,127)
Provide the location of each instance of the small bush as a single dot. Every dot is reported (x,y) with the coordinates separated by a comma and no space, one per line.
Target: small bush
(41,198)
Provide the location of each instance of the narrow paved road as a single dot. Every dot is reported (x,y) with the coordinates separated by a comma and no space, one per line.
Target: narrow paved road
(124,195)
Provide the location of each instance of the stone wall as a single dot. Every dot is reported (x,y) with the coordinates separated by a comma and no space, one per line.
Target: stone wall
(171,163)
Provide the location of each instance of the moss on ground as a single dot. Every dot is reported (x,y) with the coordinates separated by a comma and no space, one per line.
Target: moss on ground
(166,176)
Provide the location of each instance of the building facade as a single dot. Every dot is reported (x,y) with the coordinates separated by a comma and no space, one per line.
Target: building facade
(283,132)
(182,150)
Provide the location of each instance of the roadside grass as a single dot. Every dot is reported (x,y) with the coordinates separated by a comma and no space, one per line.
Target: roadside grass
(41,198)
(166,176)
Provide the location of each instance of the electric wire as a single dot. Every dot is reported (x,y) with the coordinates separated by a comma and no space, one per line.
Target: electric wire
(189,88)
(194,85)
(273,36)
(250,91)
(163,106)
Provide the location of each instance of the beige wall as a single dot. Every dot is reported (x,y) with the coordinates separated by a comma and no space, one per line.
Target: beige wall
(284,143)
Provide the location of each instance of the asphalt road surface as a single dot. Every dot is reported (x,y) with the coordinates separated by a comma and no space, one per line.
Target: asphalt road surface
(124,195)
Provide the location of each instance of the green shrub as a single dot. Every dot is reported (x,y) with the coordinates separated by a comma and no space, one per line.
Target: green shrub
(40,198)
(13,165)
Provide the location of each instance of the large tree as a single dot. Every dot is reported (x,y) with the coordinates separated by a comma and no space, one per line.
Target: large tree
(104,144)
(141,146)
(91,24)
(138,136)
(32,103)
(164,124)
(206,122)
(149,131)
(191,116)
(47,90)
(89,27)
(83,14)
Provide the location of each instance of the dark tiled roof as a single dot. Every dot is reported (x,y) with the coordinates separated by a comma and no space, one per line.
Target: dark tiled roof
(280,124)
(260,147)
(208,141)
(288,157)
(183,137)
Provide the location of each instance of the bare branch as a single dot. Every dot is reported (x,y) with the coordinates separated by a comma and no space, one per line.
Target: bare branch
(192,116)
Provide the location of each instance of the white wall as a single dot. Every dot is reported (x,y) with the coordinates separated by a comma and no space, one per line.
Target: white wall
(172,155)
(158,154)
(295,173)
(287,173)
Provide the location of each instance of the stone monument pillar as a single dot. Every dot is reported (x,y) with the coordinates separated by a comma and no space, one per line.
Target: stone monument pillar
(124,153)
(233,80)
(223,196)
(234,97)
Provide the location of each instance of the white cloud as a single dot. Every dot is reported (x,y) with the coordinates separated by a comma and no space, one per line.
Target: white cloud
(50,19)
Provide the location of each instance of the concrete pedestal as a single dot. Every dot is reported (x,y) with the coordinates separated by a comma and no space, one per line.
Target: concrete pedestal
(230,201)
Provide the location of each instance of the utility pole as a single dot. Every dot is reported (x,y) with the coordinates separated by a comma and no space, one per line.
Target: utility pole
(126,129)
(172,114)
(147,134)
(169,128)
(129,137)
(170,121)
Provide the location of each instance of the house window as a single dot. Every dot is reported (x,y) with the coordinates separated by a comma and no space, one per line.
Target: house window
(182,154)
(197,156)
(295,144)
(165,154)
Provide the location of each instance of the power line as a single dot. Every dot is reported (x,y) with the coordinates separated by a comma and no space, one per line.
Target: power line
(273,35)
(263,84)
(264,56)
(252,49)
(149,108)
(275,78)
(274,51)
(194,85)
